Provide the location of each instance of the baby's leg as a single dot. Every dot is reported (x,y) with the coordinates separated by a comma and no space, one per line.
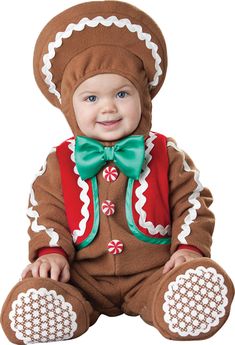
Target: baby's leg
(42,309)
(190,302)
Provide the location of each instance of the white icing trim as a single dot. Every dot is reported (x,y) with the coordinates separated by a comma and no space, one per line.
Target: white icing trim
(206,288)
(192,212)
(34,214)
(153,230)
(25,324)
(143,36)
(83,196)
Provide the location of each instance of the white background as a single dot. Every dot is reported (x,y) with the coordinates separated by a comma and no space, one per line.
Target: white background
(195,106)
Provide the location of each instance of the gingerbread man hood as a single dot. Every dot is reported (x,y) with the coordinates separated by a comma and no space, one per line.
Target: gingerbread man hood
(100,37)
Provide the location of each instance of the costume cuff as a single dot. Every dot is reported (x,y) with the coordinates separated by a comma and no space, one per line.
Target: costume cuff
(52,250)
(186,246)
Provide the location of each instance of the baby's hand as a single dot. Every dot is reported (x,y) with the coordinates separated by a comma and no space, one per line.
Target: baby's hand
(179,257)
(54,266)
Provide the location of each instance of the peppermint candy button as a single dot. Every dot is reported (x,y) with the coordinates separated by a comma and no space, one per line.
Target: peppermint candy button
(108,207)
(110,174)
(115,247)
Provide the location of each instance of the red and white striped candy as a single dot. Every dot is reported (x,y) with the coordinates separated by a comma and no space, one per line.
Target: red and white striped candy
(108,207)
(115,247)
(110,174)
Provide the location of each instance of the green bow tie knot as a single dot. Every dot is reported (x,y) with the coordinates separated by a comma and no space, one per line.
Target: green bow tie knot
(127,154)
(109,153)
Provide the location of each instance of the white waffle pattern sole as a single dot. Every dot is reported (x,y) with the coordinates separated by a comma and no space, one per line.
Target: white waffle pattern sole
(42,316)
(195,302)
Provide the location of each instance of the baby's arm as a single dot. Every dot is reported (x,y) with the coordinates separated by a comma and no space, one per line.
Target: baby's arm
(192,221)
(48,226)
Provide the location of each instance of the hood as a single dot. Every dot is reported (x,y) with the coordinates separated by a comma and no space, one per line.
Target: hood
(100,37)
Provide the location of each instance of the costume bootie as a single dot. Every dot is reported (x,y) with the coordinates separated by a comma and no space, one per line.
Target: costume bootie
(193,300)
(41,310)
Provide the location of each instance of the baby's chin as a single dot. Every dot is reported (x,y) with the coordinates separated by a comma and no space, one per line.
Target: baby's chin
(109,136)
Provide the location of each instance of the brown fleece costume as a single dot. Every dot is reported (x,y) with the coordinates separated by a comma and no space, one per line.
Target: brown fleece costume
(191,301)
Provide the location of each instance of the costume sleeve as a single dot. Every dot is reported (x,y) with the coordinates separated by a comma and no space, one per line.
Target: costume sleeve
(191,220)
(48,221)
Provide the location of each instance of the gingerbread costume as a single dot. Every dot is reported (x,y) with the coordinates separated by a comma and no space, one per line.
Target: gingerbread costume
(117,226)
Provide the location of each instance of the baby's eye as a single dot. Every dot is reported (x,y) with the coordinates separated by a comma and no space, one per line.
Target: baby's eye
(121,93)
(91,98)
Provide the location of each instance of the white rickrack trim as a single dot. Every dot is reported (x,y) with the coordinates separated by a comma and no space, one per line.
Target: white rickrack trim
(34,214)
(143,36)
(192,212)
(83,196)
(153,230)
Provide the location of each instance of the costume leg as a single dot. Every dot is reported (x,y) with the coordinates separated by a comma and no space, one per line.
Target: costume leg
(42,309)
(190,302)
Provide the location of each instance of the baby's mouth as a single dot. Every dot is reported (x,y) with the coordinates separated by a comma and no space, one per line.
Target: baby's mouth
(109,123)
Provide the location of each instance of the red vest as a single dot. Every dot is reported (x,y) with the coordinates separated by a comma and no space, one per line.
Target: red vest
(147,208)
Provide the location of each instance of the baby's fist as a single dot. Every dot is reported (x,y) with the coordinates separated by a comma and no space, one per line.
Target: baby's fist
(54,266)
(179,257)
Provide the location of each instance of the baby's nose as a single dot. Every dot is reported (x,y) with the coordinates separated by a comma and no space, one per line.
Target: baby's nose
(109,107)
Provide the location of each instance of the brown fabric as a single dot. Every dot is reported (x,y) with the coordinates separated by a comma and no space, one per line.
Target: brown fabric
(181,186)
(50,210)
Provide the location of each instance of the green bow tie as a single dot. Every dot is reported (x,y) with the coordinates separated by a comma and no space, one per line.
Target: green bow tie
(127,154)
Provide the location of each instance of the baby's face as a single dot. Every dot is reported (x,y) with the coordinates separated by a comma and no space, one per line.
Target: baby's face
(107,107)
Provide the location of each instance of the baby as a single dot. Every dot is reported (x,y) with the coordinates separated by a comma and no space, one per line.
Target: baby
(110,113)
(119,219)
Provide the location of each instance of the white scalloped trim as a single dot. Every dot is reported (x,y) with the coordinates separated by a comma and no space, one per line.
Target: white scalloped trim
(189,219)
(195,302)
(42,316)
(34,214)
(153,230)
(143,36)
(83,196)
